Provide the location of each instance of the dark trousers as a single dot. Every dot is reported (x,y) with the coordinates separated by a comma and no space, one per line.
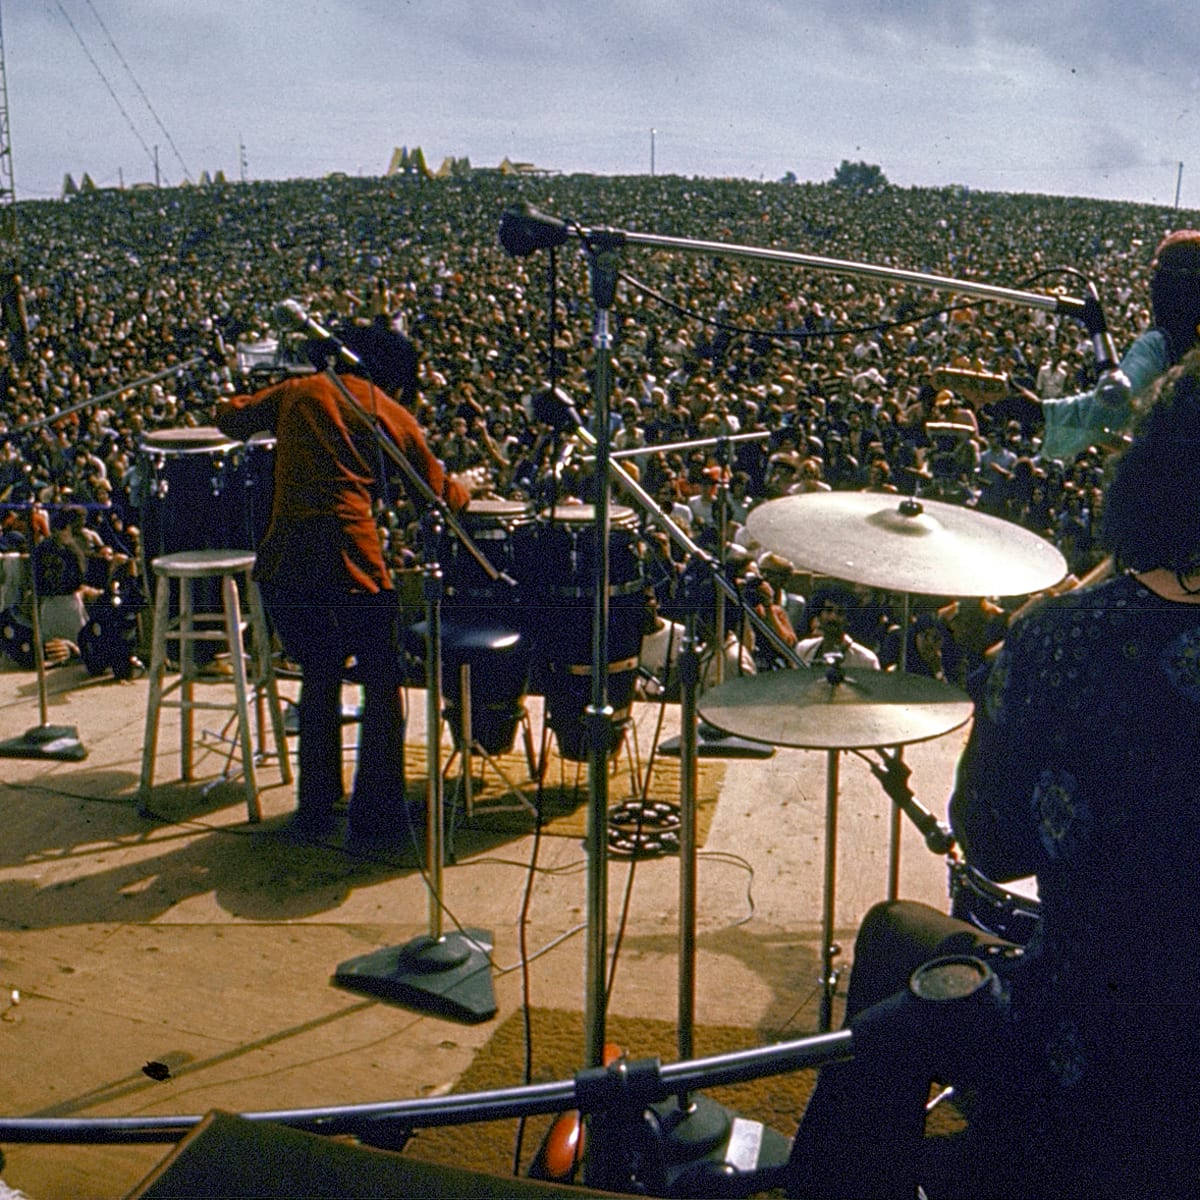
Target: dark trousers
(322,632)
(863,1127)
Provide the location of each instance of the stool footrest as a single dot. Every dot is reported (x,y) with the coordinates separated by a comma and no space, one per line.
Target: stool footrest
(252,678)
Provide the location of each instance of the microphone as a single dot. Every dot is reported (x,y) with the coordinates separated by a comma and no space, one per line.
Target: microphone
(1112,386)
(523,229)
(555,408)
(294,311)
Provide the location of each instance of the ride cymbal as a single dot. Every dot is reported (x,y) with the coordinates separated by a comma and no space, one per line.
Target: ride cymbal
(802,708)
(905,545)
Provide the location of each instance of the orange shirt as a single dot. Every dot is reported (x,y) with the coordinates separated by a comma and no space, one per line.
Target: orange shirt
(328,473)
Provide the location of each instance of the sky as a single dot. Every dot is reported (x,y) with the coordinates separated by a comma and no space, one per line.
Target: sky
(1098,99)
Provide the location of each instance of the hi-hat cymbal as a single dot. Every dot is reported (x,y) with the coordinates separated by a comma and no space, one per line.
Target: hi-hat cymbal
(902,545)
(802,708)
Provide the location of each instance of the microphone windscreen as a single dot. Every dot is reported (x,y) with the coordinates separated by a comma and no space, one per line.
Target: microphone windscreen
(551,407)
(523,229)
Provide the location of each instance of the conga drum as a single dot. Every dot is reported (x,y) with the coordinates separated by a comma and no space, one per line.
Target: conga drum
(556,562)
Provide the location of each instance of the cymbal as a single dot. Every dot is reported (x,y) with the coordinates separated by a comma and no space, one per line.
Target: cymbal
(904,545)
(801,708)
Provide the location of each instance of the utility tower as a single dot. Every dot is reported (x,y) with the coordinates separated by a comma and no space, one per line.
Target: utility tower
(13,325)
(8,195)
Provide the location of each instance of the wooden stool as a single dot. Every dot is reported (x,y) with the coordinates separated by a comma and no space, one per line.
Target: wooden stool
(226,626)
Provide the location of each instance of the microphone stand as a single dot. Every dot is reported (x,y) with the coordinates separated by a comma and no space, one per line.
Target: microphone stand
(43,741)
(448,972)
(697,1128)
(598,716)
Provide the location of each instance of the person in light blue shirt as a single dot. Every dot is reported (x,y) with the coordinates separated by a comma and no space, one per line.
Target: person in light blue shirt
(1102,415)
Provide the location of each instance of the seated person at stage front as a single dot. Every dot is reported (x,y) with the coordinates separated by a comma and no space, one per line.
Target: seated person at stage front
(1081,769)
(831,608)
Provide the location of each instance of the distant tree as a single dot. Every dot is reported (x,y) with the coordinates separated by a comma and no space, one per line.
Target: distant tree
(788,177)
(859,176)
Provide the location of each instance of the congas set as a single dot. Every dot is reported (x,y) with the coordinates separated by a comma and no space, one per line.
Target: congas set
(190,496)
(470,594)
(481,627)
(556,561)
(1011,911)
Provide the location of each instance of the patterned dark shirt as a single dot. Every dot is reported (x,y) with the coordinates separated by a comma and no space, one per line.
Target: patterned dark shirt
(1083,768)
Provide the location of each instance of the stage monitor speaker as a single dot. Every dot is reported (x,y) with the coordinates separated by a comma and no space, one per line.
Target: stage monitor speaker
(227,1157)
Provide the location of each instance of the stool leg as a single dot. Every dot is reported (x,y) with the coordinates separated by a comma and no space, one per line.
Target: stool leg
(187,676)
(265,675)
(233,636)
(158,657)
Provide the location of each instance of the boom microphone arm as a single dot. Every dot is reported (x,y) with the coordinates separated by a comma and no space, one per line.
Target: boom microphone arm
(524,229)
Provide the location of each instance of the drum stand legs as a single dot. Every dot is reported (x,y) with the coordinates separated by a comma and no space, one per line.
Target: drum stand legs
(468,747)
(829,948)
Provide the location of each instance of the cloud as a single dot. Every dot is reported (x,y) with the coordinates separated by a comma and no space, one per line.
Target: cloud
(1110,150)
(993,92)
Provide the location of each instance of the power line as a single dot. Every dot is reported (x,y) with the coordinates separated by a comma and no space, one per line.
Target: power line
(111,92)
(145,99)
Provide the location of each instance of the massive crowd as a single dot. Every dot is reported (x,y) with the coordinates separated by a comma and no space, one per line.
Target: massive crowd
(127,293)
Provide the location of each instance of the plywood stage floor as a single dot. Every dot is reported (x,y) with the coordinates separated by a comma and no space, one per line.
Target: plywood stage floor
(194,939)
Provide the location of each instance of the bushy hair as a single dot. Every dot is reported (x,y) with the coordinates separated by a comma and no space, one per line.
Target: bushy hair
(1152,503)
(1175,290)
(388,358)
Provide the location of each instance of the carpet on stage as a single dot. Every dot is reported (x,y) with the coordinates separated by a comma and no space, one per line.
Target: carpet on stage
(558,1049)
(564,798)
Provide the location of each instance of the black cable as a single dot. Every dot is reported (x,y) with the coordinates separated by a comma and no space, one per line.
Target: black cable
(524,959)
(837,331)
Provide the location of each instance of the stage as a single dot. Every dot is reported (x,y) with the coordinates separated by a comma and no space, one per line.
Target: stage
(183,962)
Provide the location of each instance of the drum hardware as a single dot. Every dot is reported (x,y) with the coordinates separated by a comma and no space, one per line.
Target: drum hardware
(468,745)
(591,1090)
(910,546)
(840,709)
(523,230)
(893,773)
(948,1009)
(1007,912)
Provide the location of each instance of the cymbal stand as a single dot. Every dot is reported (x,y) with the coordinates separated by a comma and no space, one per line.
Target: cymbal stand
(721,521)
(893,888)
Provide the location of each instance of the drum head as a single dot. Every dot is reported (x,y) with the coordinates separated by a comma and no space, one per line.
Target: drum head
(202,439)
(585,514)
(486,512)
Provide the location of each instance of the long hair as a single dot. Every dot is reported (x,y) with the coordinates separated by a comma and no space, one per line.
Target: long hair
(1152,504)
(1175,290)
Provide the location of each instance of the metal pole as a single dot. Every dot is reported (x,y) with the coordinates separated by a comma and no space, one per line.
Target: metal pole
(1065,305)
(598,718)
(828,950)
